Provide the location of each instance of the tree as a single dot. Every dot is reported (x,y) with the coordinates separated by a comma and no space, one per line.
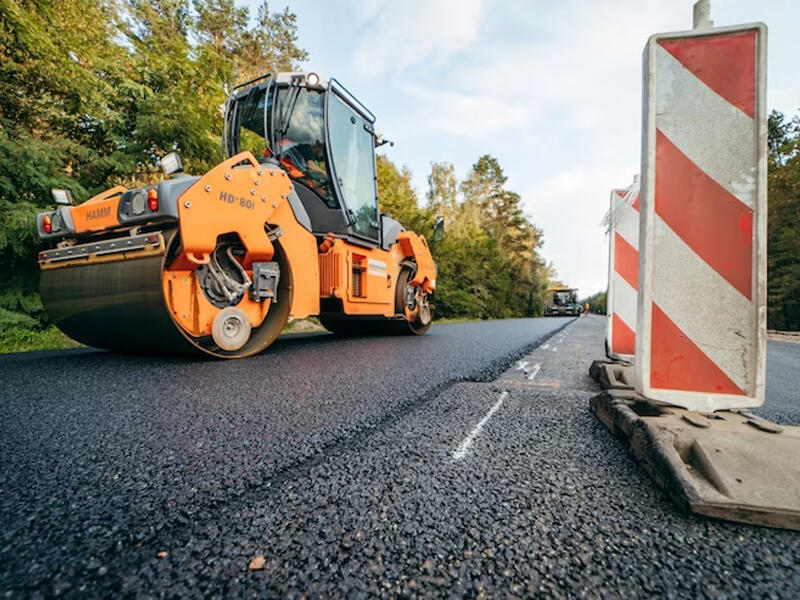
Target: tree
(597,303)
(783,278)
(442,193)
(62,124)
(396,196)
(489,266)
(93,93)
(271,46)
(499,212)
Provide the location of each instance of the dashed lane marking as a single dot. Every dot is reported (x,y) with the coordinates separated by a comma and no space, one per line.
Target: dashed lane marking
(463,449)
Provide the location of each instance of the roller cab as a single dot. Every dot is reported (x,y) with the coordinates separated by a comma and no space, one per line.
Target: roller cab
(287,225)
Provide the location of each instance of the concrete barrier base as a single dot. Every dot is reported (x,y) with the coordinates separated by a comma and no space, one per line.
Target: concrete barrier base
(729,465)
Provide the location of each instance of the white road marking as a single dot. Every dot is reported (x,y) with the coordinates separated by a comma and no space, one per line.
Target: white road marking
(522,366)
(535,370)
(545,347)
(555,348)
(463,449)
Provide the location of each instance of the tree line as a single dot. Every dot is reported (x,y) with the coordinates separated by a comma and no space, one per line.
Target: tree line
(783,223)
(93,93)
(488,262)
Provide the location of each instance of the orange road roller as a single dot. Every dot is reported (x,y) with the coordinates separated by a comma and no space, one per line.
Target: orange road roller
(286,226)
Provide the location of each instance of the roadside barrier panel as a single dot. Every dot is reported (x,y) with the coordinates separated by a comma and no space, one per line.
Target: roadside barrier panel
(700,338)
(701,331)
(623,272)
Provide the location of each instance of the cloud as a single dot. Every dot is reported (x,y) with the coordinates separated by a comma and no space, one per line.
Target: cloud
(569,207)
(463,114)
(399,35)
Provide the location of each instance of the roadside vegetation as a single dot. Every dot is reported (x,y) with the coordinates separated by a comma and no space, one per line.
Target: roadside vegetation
(597,303)
(783,273)
(86,108)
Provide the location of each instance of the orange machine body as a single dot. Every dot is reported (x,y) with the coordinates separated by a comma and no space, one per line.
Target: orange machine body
(242,197)
(219,263)
(98,212)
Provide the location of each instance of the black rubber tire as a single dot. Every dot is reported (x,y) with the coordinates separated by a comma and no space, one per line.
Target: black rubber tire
(407,327)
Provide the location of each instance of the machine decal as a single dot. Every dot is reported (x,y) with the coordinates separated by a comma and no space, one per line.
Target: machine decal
(376,267)
(242,202)
(98,213)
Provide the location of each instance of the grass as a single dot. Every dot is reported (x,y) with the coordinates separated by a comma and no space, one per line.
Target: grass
(17,339)
(445,321)
(308,325)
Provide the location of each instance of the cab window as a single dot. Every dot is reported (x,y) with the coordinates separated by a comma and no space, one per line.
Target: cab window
(248,126)
(352,151)
(301,140)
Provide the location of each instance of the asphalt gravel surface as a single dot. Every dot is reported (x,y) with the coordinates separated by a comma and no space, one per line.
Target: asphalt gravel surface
(353,467)
(783,383)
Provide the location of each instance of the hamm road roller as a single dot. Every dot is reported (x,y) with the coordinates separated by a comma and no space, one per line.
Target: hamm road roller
(286,226)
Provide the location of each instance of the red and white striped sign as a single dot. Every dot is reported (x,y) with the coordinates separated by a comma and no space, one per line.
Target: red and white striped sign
(702,308)
(623,272)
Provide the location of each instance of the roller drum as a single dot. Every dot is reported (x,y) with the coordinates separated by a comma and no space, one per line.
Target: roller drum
(119,305)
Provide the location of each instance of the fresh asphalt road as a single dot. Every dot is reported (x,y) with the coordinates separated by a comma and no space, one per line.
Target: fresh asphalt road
(335,460)
(783,383)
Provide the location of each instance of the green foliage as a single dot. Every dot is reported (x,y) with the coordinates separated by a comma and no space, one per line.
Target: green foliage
(488,262)
(24,339)
(597,303)
(783,283)
(92,93)
(398,198)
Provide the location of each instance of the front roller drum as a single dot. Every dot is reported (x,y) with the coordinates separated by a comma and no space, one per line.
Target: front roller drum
(119,305)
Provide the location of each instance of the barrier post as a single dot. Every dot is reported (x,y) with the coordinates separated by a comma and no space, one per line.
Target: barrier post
(623,268)
(701,332)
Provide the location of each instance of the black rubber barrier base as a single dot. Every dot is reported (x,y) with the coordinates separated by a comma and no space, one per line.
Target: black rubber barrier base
(729,465)
(612,374)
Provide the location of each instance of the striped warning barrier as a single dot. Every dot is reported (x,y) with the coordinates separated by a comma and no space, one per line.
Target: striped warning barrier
(701,334)
(623,269)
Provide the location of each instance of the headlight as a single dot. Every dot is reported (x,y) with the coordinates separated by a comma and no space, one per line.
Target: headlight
(171,163)
(63,197)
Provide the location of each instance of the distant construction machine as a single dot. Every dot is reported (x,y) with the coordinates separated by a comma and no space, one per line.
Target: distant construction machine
(563,302)
(286,226)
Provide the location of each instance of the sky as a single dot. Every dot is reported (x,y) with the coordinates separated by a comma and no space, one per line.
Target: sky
(552,89)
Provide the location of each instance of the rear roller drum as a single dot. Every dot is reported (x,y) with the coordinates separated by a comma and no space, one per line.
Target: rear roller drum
(121,306)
